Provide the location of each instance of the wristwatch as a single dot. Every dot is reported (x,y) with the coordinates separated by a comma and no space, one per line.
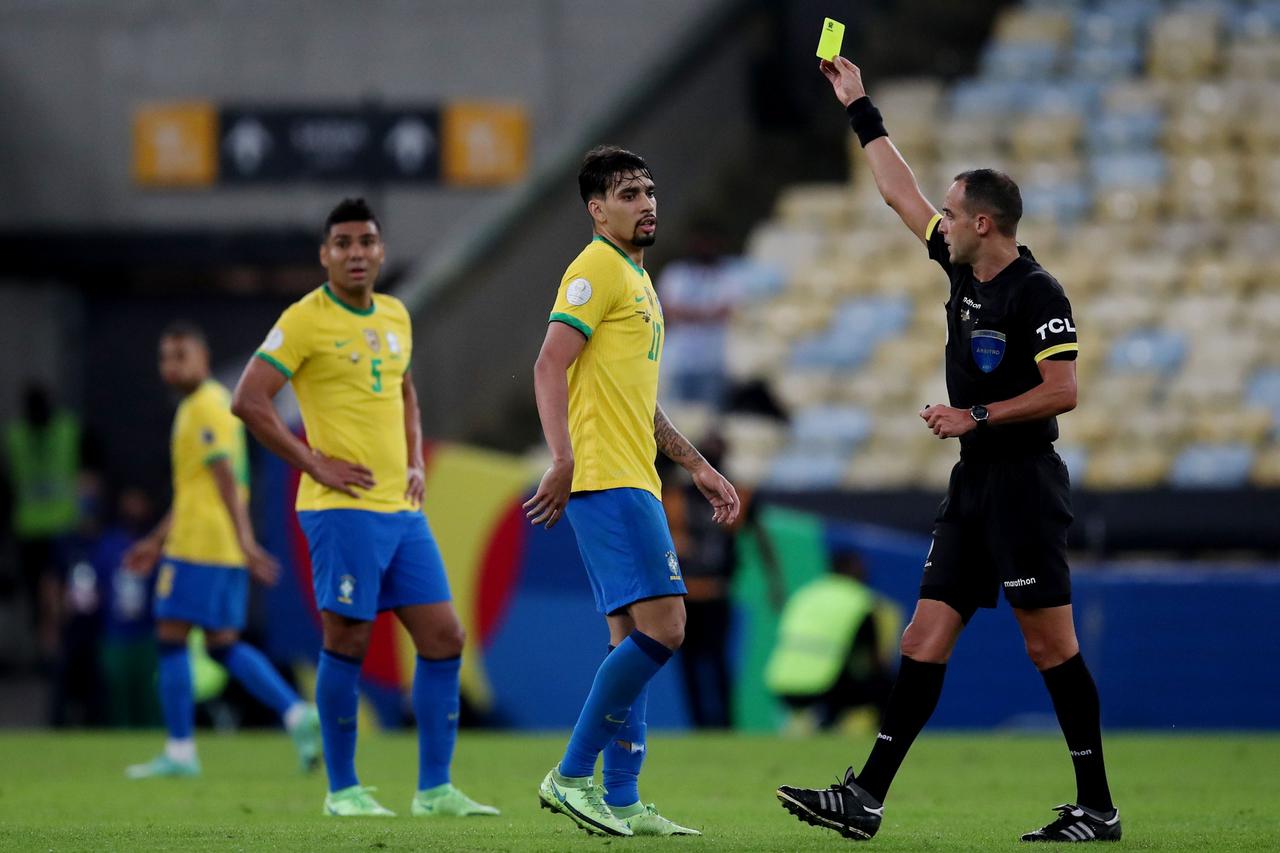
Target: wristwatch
(979,414)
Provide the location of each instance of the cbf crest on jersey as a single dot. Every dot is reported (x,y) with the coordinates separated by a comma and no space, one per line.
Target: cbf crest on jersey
(346,588)
(987,347)
(372,339)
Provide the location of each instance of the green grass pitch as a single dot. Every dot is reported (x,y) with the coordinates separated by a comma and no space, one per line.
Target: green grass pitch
(64,792)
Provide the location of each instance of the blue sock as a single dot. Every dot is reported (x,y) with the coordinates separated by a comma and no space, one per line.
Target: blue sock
(252,669)
(337,701)
(435,705)
(176,699)
(625,754)
(619,681)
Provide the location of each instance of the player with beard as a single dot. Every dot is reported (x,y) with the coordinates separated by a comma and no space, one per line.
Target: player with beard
(596,383)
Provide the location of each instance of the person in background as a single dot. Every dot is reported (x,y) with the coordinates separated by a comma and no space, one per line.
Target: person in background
(827,659)
(709,557)
(127,652)
(698,294)
(42,449)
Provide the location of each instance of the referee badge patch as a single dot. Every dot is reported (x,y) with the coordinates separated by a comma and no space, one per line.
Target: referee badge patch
(987,347)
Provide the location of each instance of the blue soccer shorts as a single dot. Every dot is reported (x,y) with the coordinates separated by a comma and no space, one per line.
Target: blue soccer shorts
(365,562)
(213,597)
(626,546)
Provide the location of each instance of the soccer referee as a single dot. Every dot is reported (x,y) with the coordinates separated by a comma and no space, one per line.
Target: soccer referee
(1010,362)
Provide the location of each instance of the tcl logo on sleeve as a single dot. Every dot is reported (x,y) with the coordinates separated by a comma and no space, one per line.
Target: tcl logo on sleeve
(1056,326)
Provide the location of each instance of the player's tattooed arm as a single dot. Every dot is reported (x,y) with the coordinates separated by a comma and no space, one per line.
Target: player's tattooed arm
(715,488)
(673,445)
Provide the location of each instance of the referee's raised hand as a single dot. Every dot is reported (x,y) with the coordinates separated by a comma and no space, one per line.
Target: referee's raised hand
(845,79)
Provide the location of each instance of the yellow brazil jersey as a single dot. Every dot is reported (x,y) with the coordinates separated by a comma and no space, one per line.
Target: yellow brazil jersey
(204,430)
(613,385)
(347,368)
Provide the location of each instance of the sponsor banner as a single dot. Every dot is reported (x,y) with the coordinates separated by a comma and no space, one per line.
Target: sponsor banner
(485,144)
(175,145)
(277,145)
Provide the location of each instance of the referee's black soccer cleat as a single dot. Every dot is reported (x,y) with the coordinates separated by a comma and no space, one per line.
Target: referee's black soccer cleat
(1077,824)
(844,807)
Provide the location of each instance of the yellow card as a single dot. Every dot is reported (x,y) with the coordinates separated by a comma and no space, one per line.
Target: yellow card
(832,38)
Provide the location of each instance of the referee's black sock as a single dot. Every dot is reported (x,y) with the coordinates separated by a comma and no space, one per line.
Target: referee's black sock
(1075,698)
(915,695)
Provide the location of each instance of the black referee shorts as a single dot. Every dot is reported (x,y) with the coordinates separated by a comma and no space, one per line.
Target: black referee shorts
(1003,524)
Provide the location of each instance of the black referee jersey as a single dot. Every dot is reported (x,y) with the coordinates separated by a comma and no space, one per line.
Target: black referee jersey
(998,332)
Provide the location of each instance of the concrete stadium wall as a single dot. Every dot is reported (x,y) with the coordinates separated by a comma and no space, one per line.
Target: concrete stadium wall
(72,72)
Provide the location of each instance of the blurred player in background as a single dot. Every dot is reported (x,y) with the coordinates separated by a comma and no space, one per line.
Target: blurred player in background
(346,350)
(1010,363)
(596,383)
(204,545)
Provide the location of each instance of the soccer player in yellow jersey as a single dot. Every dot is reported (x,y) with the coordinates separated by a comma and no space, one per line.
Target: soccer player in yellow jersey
(346,350)
(596,383)
(204,545)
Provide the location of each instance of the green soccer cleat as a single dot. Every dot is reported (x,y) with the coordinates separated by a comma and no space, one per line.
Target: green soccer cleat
(447,801)
(161,767)
(306,740)
(645,820)
(355,801)
(582,801)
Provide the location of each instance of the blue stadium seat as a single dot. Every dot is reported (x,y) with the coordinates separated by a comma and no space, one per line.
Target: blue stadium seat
(1212,466)
(831,427)
(1255,20)
(800,471)
(1105,61)
(1149,351)
(858,327)
(1263,391)
(1065,203)
(1097,28)
(1134,13)
(1128,132)
(1021,60)
(989,97)
(1070,97)
(1132,169)
(756,280)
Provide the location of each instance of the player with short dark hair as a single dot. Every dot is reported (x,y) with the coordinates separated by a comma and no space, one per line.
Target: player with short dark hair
(596,384)
(347,349)
(204,545)
(1010,364)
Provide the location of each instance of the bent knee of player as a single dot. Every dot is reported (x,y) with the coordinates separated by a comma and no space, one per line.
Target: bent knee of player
(442,641)
(1046,652)
(926,644)
(670,634)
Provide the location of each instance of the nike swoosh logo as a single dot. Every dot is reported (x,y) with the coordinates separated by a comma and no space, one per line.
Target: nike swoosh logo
(341,344)
(556,791)
(639,299)
(609,719)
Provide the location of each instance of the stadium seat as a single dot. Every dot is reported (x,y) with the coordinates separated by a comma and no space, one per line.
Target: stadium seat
(1212,466)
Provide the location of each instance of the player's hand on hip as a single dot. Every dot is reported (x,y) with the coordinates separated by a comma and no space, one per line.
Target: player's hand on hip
(845,78)
(547,504)
(720,492)
(341,475)
(143,555)
(948,422)
(417,486)
(263,567)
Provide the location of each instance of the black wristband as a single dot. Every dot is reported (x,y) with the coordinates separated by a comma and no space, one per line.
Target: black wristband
(866,120)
